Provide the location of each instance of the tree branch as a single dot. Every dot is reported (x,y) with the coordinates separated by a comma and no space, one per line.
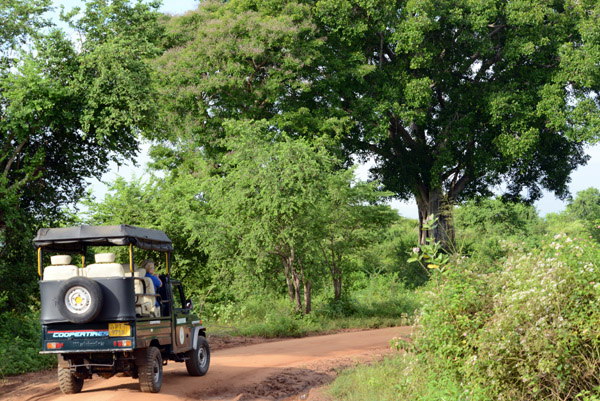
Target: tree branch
(487,64)
(14,156)
(7,146)
(497,28)
(459,186)
(399,129)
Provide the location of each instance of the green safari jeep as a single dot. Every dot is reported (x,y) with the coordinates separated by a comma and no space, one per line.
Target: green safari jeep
(106,317)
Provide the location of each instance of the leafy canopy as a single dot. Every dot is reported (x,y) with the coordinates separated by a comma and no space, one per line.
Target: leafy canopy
(455,97)
(67,109)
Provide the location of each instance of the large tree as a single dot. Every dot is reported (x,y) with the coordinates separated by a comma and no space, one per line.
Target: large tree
(67,109)
(453,98)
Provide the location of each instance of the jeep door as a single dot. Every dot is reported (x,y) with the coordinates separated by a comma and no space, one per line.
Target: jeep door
(182,338)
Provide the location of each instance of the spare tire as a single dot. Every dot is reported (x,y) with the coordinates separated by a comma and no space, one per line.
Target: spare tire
(79,300)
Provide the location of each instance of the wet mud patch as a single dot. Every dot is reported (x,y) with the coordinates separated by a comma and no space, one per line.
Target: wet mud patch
(285,384)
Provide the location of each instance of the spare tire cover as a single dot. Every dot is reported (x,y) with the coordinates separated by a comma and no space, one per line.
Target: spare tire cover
(79,299)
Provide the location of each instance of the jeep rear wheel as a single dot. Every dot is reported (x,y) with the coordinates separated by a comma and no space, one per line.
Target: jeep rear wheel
(68,383)
(150,370)
(79,300)
(199,358)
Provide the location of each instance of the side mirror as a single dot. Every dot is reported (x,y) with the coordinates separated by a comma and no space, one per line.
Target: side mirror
(189,305)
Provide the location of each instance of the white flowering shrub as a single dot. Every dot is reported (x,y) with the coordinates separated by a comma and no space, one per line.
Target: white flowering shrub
(530,331)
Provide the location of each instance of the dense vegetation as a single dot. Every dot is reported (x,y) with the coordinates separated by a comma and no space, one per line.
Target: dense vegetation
(518,326)
(257,110)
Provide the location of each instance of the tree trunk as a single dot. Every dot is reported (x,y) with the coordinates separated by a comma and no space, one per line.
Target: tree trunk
(307,296)
(307,287)
(336,274)
(438,206)
(288,264)
(334,264)
(297,298)
(294,280)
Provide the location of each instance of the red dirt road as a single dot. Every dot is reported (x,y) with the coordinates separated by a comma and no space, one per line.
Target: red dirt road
(267,371)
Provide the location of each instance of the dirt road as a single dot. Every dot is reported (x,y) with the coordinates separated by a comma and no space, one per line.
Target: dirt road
(267,371)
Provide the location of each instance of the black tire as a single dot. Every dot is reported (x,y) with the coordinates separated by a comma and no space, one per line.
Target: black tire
(150,370)
(198,359)
(79,300)
(68,383)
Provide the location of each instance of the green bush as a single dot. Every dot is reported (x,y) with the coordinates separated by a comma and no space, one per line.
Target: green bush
(20,343)
(381,301)
(483,225)
(380,295)
(527,332)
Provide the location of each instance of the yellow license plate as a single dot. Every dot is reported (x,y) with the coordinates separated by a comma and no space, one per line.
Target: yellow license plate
(119,330)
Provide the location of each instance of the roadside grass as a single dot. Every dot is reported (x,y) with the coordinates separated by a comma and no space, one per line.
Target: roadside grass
(399,377)
(382,302)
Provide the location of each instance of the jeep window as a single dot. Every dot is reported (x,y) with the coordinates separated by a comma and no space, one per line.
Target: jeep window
(177,296)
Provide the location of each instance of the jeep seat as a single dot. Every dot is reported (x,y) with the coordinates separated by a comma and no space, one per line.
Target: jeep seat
(145,305)
(105,266)
(60,268)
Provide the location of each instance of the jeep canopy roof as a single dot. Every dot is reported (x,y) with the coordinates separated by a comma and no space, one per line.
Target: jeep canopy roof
(74,239)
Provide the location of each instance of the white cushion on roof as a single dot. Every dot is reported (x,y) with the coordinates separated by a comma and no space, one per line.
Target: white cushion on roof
(108,257)
(60,260)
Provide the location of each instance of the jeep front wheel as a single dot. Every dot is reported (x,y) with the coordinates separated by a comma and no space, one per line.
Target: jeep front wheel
(68,383)
(150,370)
(198,359)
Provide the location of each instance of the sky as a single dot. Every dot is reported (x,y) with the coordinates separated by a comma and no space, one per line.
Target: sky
(582,178)
(169,6)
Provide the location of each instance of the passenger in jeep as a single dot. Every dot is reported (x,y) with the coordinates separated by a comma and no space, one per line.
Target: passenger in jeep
(148,264)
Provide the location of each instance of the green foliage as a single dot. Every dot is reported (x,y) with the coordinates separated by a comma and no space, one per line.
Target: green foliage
(20,341)
(430,254)
(67,110)
(382,302)
(367,382)
(525,332)
(400,377)
(586,208)
(389,255)
(483,226)
(263,200)
(239,60)
(378,295)
(453,98)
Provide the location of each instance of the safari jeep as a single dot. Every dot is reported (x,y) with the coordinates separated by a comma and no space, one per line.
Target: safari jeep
(106,317)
